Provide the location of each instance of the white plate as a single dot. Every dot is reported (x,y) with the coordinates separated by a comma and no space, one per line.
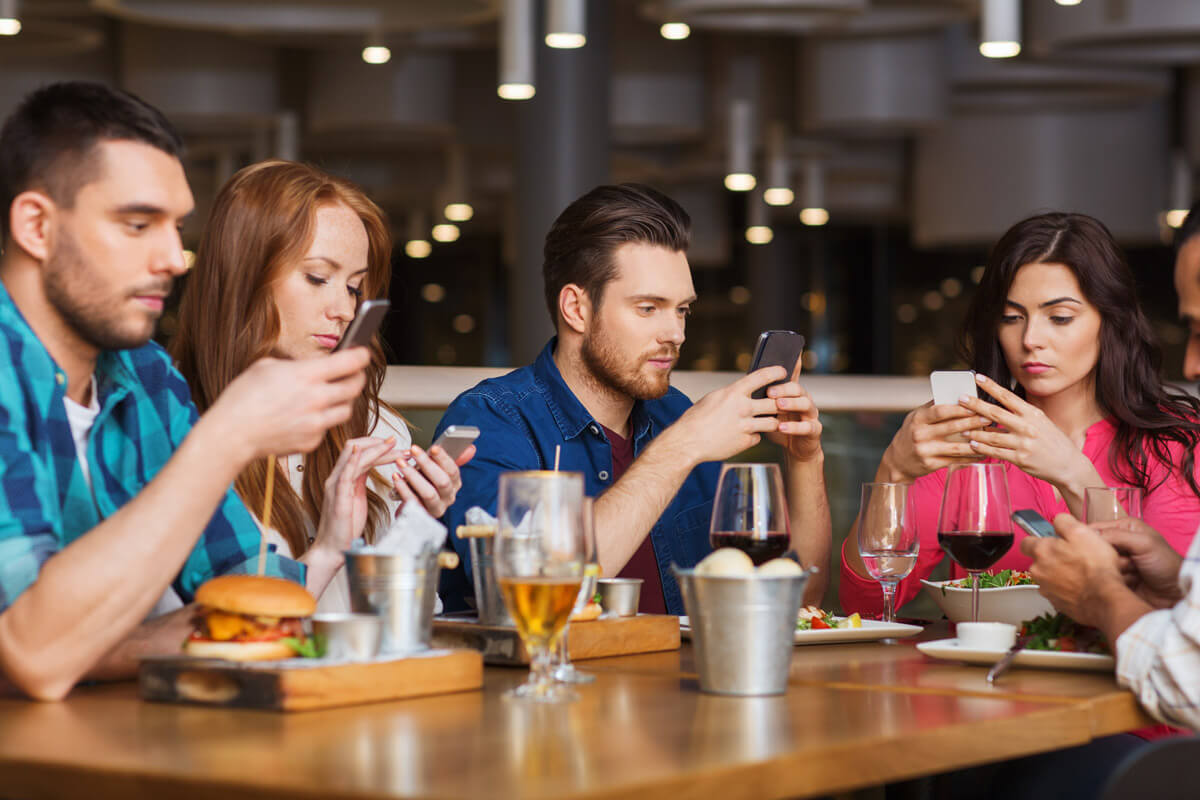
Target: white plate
(870,631)
(949,650)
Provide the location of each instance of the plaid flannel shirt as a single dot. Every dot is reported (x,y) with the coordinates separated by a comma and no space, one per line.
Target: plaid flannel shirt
(145,412)
(1158,657)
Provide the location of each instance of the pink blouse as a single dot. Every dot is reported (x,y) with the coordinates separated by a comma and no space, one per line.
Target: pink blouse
(1172,509)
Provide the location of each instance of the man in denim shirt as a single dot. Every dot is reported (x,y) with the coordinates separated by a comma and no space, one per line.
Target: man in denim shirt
(108,479)
(619,289)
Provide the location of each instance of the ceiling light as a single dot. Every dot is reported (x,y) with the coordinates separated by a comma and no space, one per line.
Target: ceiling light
(675,31)
(459,212)
(433,293)
(814,211)
(566,24)
(1180,188)
(375,51)
(739,177)
(417,245)
(517,52)
(1000,28)
(1175,217)
(779,192)
(454,196)
(445,232)
(10,18)
(757,229)
(779,196)
(1067,2)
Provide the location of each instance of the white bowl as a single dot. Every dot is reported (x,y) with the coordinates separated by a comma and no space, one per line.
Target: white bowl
(1011,604)
(985,635)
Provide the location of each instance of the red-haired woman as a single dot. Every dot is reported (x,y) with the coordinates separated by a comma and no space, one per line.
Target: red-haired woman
(288,255)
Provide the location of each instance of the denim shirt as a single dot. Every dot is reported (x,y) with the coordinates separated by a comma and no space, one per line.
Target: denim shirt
(523,416)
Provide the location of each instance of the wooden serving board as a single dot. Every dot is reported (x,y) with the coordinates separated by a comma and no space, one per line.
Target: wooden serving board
(305,684)
(600,638)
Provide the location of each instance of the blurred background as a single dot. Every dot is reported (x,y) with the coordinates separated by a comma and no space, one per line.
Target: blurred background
(847,163)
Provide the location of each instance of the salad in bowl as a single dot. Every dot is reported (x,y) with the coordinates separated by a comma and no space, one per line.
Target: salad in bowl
(1005,596)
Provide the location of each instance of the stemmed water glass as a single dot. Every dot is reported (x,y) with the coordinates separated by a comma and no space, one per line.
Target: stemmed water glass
(540,557)
(974,522)
(887,538)
(750,511)
(564,671)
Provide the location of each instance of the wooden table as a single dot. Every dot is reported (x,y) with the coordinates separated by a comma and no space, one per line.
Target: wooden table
(855,715)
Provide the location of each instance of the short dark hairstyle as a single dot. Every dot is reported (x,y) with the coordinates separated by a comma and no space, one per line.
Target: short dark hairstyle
(580,244)
(1189,228)
(48,141)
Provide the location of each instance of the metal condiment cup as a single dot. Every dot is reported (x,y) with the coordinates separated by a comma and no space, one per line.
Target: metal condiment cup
(620,595)
(354,637)
(399,588)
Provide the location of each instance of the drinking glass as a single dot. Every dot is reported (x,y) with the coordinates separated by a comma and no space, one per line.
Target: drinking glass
(887,538)
(1104,503)
(564,671)
(974,525)
(540,556)
(750,511)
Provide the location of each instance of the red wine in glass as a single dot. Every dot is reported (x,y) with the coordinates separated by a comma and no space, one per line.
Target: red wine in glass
(761,547)
(973,551)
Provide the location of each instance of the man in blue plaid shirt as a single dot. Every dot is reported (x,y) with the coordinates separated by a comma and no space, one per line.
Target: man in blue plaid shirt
(112,489)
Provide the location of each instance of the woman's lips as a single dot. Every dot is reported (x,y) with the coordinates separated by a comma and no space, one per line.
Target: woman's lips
(1035,367)
(328,342)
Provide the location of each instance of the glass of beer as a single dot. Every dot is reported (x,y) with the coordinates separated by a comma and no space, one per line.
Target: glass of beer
(564,670)
(540,559)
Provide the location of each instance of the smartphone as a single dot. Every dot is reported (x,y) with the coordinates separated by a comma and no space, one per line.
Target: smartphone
(1034,523)
(364,325)
(776,348)
(454,440)
(949,385)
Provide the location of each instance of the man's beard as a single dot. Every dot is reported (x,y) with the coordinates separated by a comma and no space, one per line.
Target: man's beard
(82,299)
(612,371)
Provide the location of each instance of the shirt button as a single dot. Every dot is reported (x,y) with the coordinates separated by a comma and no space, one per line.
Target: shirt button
(59,379)
(603,475)
(595,430)
(299,468)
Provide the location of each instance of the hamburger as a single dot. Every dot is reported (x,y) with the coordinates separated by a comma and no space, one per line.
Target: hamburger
(248,618)
(591,611)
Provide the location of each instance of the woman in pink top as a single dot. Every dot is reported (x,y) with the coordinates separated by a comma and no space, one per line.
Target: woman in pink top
(1055,320)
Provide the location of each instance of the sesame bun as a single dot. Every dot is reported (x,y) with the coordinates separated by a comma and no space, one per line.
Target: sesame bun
(238,651)
(255,595)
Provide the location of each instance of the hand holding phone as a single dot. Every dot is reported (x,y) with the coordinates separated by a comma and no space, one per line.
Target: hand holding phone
(364,325)
(1034,523)
(949,385)
(454,441)
(776,348)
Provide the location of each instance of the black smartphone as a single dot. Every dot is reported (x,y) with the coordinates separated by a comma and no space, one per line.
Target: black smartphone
(1034,523)
(364,325)
(776,348)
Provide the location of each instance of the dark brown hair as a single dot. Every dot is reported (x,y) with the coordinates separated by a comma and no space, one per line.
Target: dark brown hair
(581,241)
(262,223)
(1128,373)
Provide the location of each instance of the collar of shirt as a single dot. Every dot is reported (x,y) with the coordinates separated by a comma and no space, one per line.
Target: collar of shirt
(570,415)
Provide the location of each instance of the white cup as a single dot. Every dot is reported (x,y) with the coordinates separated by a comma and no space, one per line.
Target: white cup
(986,635)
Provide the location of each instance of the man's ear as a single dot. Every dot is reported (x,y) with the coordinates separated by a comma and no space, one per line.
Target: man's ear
(30,225)
(575,307)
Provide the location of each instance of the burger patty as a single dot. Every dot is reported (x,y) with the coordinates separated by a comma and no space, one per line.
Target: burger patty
(222,626)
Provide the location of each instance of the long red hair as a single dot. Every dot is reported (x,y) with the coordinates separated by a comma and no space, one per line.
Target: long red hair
(262,224)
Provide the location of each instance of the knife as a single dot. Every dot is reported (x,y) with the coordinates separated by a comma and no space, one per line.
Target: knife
(1000,666)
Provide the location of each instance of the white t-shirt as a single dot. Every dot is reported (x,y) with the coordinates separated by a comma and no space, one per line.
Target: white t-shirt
(81,419)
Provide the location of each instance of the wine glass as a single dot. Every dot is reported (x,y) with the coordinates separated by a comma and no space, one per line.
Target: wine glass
(564,671)
(974,525)
(540,556)
(1104,503)
(750,512)
(887,538)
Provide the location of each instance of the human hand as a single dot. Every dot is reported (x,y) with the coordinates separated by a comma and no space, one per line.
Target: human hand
(727,421)
(1078,572)
(922,445)
(1029,440)
(279,407)
(799,431)
(344,506)
(434,481)
(1148,564)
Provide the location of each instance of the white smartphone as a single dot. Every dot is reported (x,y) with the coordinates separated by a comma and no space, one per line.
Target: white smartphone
(454,440)
(949,385)
(364,325)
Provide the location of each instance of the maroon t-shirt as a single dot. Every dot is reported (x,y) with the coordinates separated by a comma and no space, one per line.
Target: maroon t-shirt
(644,563)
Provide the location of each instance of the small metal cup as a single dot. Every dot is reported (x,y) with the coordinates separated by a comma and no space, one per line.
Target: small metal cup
(402,590)
(488,601)
(354,637)
(743,629)
(620,595)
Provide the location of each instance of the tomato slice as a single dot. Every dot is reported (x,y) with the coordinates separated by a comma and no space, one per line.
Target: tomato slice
(1067,644)
(818,624)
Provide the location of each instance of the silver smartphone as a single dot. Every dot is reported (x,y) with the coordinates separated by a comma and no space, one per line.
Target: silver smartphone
(1034,523)
(364,325)
(454,440)
(776,348)
(949,385)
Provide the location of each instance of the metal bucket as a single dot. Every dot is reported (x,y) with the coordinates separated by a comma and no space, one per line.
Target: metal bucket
(488,601)
(402,590)
(743,629)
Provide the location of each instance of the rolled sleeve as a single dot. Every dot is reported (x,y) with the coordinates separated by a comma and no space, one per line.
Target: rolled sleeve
(1158,659)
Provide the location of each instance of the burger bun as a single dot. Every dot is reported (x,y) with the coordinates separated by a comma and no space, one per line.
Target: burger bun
(256,596)
(238,651)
